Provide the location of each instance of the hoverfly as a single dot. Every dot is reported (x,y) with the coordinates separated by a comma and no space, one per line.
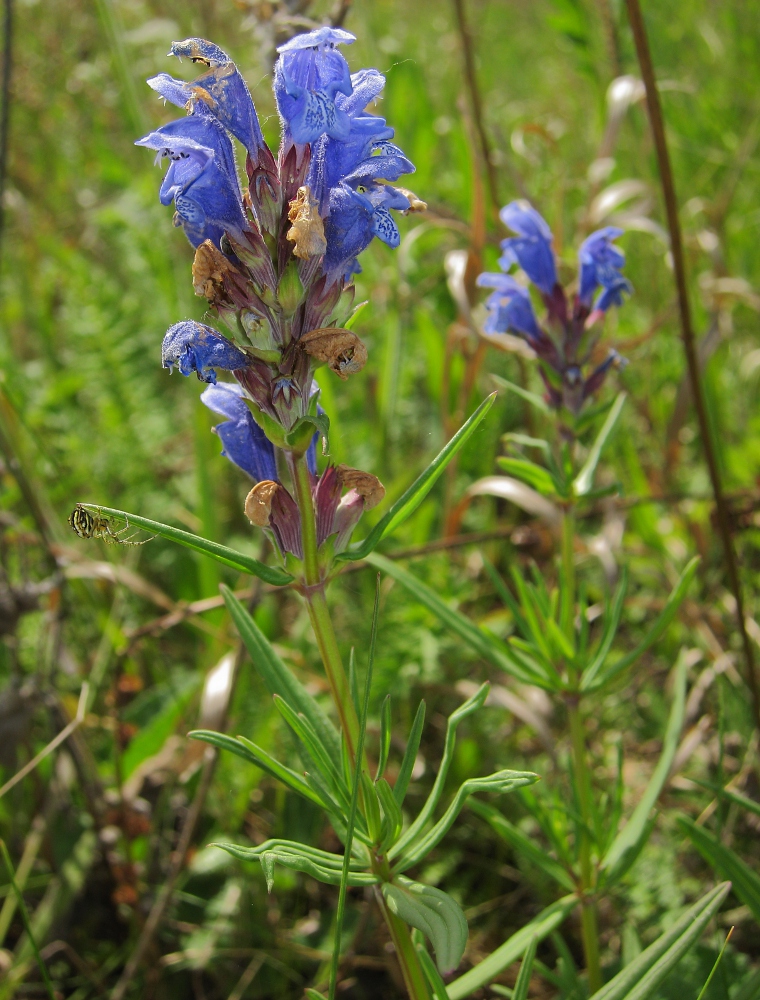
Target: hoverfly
(88,525)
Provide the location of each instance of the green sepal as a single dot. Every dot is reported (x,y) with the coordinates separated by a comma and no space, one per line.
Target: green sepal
(299,437)
(274,431)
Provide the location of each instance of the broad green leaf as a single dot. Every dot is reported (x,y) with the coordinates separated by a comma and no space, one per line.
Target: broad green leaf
(255,755)
(529,397)
(487,970)
(229,557)
(410,756)
(487,646)
(522,843)
(277,677)
(639,979)
(433,912)
(467,708)
(385,737)
(662,621)
(526,968)
(499,783)
(151,738)
(627,844)
(745,881)
(585,478)
(408,503)
(530,473)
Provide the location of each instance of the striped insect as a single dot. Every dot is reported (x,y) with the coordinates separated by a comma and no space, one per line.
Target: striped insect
(89,525)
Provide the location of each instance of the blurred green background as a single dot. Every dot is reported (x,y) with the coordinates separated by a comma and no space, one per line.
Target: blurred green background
(92,273)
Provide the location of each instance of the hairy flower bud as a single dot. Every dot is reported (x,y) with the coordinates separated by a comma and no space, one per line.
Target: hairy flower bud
(308,230)
(340,349)
(369,487)
(258,503)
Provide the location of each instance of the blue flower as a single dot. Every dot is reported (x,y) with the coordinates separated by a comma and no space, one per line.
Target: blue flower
(195,347)
(307,76)
(221,91)
(201,178)
(600,264)
(510,308)
(243,441)
(531,249)
(356,216)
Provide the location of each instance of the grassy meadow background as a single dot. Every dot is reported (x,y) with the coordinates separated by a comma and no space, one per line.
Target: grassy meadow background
(91,275)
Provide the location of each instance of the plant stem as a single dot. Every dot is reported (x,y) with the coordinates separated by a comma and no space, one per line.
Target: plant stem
(567,623)
(589,920)
(319,614)
(657,124)
(414,977)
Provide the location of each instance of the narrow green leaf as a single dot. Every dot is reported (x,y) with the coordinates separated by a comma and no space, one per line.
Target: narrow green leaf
(277,677)
(728,793)
(614,613)
(585,478)
(745,881)
(485,645)
(526,968)
(662,621)
(512,949)
(432,974)
(627,844)
(641,977)
(529,397)
(408,503)
(467,708)
(299,862)
(500,783)
(255,755)
(357,777)
(521,842)
(393,819)
(385,737)
(410,755)
(433,912)
(530,473)
(228,557)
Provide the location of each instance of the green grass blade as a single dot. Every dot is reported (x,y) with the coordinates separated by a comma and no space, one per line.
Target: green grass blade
(228,557)
(482,974)
(526,968)
(585,478)
(408,503)
(487,646)
(277,677)
(26,921)
(641,977)
(715,966)
(354,798)
(410,756)
(745,881)
(627,844)
(662,621)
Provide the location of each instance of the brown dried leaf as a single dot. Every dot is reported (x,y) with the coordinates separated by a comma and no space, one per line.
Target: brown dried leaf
(340,349)
(369,487)
(258,503)
(308,230)
(415,204)
(209,269)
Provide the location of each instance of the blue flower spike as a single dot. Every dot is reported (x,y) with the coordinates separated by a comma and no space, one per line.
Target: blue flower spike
(243,441)
(307,77)
(562,353)
(195,347)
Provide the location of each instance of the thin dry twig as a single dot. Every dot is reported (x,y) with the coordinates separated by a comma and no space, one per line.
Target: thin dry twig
(687,331)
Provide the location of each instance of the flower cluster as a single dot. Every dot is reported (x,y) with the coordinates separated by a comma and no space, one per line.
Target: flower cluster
(567,339)
(275,260)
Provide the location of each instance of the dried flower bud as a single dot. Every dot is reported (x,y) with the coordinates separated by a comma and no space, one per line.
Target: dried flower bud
(340,349)
(258,503)
(369,487)
(209,269)
(415,204)
(308,230)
